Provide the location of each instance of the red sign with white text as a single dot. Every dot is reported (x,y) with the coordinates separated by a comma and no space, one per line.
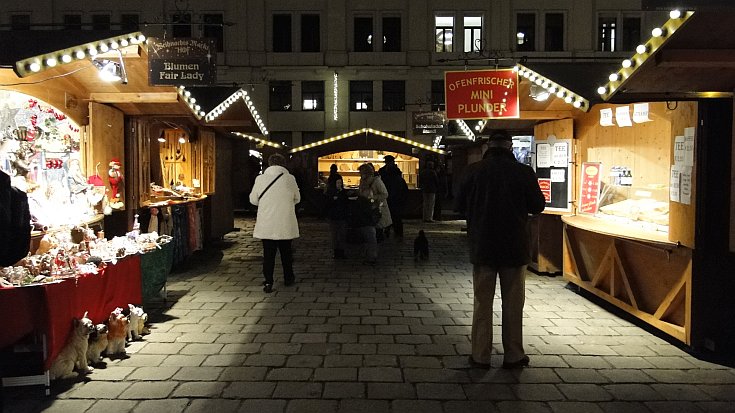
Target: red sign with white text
(482,94)
(545,185)
(589,196)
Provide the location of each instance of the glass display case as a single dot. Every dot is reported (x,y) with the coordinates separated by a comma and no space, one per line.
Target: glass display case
(349,162)
(643,207)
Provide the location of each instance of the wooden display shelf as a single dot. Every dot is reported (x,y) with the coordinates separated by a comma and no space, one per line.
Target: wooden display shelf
(614,229)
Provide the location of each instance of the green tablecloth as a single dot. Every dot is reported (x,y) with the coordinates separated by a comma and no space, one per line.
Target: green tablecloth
(155,267)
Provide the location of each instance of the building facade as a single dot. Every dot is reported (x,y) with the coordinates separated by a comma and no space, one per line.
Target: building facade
(323,67)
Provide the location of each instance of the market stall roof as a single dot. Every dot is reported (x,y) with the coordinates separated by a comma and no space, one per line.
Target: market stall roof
(60,72)
(691,56)
(551,91)
(367,139)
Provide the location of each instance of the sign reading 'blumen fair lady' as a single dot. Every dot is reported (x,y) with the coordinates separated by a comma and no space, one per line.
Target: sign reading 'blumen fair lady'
(182,61)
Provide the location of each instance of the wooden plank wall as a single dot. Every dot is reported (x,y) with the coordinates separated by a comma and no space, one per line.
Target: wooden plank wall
(646,148)
(105,140)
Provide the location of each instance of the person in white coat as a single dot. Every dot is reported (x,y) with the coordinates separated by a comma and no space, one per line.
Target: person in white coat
(276,194)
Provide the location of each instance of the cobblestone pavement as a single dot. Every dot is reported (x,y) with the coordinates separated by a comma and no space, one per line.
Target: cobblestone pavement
(394,337)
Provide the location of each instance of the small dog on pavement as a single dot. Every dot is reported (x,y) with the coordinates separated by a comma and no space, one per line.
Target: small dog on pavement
(421,247)
(74,353)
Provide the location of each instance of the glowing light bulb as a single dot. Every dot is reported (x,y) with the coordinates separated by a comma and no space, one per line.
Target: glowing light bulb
(613,77)
(601,90)
(657,32)
(675,14)
(627,63)
(641,48)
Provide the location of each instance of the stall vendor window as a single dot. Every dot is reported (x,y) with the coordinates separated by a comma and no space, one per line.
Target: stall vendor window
(312,95)
(213,27)
(279,95)
(361,95)
(310,33)
(394,95)
(281,33)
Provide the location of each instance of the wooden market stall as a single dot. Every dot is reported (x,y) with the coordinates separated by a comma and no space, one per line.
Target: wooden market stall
(653,207)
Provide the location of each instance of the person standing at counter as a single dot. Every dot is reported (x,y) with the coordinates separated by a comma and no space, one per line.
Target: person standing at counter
(496,196)
(397,191)
(276,194)
(429,182)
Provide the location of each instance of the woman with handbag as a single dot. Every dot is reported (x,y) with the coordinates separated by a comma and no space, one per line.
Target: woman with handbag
(372,192)
(275,193)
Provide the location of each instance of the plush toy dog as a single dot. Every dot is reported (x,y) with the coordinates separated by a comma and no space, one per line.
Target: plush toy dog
(74,353)
(97,343)
(117,330)
(136,326)
(421,247)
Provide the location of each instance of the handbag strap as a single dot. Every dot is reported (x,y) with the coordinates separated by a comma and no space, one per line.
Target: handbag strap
(269,186)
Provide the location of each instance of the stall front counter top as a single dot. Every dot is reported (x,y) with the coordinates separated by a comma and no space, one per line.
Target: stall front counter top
(601,226)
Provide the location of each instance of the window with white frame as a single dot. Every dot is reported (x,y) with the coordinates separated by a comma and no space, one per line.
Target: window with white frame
(310,33)
(391,34)
(618,33)
(631,32)
(282,33)
(437,95)
(472,33)
(607,33)
(444,33)
(394,95)
(279,95)
(363,33)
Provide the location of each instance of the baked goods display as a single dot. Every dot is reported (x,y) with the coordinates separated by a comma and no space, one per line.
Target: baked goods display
(645,207)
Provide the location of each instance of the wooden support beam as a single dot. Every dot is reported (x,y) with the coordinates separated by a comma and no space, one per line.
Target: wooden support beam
(670,297)
(158,97)
(546,114)
(624,277)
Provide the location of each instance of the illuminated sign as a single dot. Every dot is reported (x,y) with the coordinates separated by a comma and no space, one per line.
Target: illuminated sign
(482,94)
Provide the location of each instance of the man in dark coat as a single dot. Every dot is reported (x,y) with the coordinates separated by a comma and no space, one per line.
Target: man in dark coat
(429,183)
(397,193)
(496,197)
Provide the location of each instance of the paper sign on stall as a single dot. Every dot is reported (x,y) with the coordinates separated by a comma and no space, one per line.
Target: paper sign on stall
(545,185)
(543,155)
(559,155)
(689,146)
(685,185)
(622,116)
(674,184)
(679,150)
(640,113)
(557,175)
(606,117)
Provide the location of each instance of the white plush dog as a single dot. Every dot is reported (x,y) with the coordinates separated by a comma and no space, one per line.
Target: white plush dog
(137,322)
(74,353)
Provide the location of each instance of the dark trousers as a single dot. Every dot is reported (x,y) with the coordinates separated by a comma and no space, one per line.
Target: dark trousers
(270,247)
(395,215)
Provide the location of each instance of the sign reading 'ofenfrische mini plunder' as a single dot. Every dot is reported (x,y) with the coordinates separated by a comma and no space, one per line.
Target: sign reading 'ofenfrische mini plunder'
(182,61)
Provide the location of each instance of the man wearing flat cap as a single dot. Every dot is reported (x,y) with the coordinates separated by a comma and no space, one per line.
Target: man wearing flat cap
(496,196)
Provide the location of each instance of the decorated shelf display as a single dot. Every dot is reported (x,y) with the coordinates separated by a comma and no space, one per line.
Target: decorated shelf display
(76,251)
(40,151)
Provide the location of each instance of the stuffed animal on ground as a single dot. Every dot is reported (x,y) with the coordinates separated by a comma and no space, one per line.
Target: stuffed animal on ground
(116,331)
(74,353)
(136,326)
(421,247)
(97,343)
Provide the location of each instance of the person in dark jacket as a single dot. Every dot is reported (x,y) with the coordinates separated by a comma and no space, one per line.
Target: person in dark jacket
(429,181)
(397,192)
(496,196)
(337,212)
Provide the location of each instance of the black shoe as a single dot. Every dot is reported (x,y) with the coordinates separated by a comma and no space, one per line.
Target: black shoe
(289,283)
(523,362)
(268,288)
(476,364)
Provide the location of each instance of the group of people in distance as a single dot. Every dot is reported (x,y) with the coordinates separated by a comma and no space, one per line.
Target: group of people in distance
(496,197)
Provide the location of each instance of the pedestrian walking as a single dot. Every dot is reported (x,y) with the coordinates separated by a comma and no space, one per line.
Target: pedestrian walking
(496,196)
(276,194)
(371,212)
(337,211)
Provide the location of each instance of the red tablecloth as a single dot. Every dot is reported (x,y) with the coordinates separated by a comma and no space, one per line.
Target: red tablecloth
(50,308)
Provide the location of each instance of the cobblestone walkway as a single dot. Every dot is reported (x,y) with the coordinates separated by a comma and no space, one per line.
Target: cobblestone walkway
(351,338)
